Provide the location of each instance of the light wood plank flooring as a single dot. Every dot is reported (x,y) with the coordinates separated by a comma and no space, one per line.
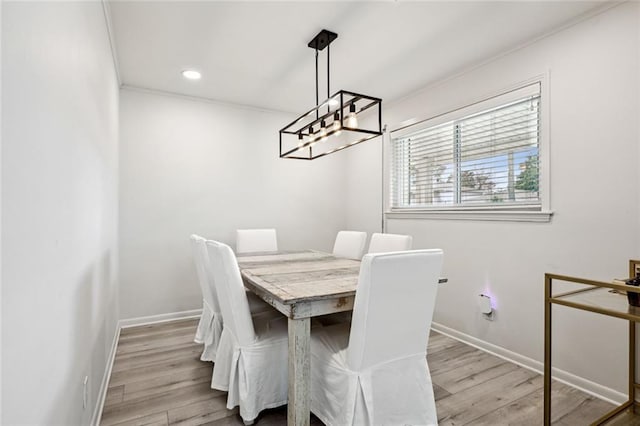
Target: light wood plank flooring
(158,379)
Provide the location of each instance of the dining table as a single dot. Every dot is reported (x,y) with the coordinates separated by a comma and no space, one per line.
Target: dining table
(301,285)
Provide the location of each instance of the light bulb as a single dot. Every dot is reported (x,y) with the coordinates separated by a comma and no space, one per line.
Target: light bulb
(312,136)
(336,124)
(300,140)
(323,131)
(352,120)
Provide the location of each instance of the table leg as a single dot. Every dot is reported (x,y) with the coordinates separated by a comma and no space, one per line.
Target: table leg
(298,411)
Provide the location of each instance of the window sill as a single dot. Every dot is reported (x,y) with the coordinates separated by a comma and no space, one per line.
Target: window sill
(508,216)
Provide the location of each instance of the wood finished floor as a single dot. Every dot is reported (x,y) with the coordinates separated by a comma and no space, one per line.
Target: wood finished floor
(158,379)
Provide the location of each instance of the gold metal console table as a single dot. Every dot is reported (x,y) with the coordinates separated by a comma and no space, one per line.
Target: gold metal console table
(602,298)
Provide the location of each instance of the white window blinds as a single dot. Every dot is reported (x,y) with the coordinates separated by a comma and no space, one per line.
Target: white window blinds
(486,158)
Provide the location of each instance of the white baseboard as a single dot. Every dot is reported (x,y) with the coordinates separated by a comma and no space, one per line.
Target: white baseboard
(154,319)
(602,392)
(131,322)
(102,394)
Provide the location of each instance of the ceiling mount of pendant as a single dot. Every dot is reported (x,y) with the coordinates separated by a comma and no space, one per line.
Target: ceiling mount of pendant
(322,40)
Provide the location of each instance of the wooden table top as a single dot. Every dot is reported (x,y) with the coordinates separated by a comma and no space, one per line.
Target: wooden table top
(307,275)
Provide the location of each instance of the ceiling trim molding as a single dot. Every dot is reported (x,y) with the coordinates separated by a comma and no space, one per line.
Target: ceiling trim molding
(167,93)
(112,42)
(572,22)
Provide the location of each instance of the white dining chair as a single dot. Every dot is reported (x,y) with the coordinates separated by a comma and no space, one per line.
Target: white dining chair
(251,363)
(256,240)
(210,324)
(384,243)
(374,371)
(350,244)
(211,321)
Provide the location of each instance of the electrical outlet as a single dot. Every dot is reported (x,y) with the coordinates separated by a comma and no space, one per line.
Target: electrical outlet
(85,392)
(486,307)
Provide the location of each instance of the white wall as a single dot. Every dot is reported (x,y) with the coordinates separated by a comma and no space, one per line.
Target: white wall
(594,135)
(191,166)
(59,218)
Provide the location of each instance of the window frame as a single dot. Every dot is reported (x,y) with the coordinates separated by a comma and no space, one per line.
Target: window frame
(516,212)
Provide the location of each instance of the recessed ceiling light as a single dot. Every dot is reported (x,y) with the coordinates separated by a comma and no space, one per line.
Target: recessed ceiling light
(191,74)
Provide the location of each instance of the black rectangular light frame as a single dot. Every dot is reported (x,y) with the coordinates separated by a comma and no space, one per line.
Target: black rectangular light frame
(369,126)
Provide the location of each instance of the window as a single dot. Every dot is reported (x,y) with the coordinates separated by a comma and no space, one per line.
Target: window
(485,157)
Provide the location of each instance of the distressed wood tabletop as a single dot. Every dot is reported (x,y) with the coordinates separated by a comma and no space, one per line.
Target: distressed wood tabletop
(308,275)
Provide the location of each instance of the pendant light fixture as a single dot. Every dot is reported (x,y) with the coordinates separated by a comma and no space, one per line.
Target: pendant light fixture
(342,120)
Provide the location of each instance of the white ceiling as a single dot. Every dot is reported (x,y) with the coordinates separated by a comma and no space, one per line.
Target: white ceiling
(255,53)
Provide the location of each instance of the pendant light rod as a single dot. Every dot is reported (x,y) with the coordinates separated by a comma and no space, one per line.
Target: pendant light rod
(328,75)
(317,99)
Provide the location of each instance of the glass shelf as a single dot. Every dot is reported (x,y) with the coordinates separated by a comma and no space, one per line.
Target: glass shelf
(602,300)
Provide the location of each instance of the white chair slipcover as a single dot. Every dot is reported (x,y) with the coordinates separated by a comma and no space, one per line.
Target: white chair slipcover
(384,243)
(251,363)
(350,244)
(253,241)
(256,240)
(210,325)
(374,371)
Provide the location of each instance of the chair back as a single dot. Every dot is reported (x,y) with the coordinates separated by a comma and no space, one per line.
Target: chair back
(350,244)
(256,240)
(393,307)
(385,243)
(231,292)
(205,274)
